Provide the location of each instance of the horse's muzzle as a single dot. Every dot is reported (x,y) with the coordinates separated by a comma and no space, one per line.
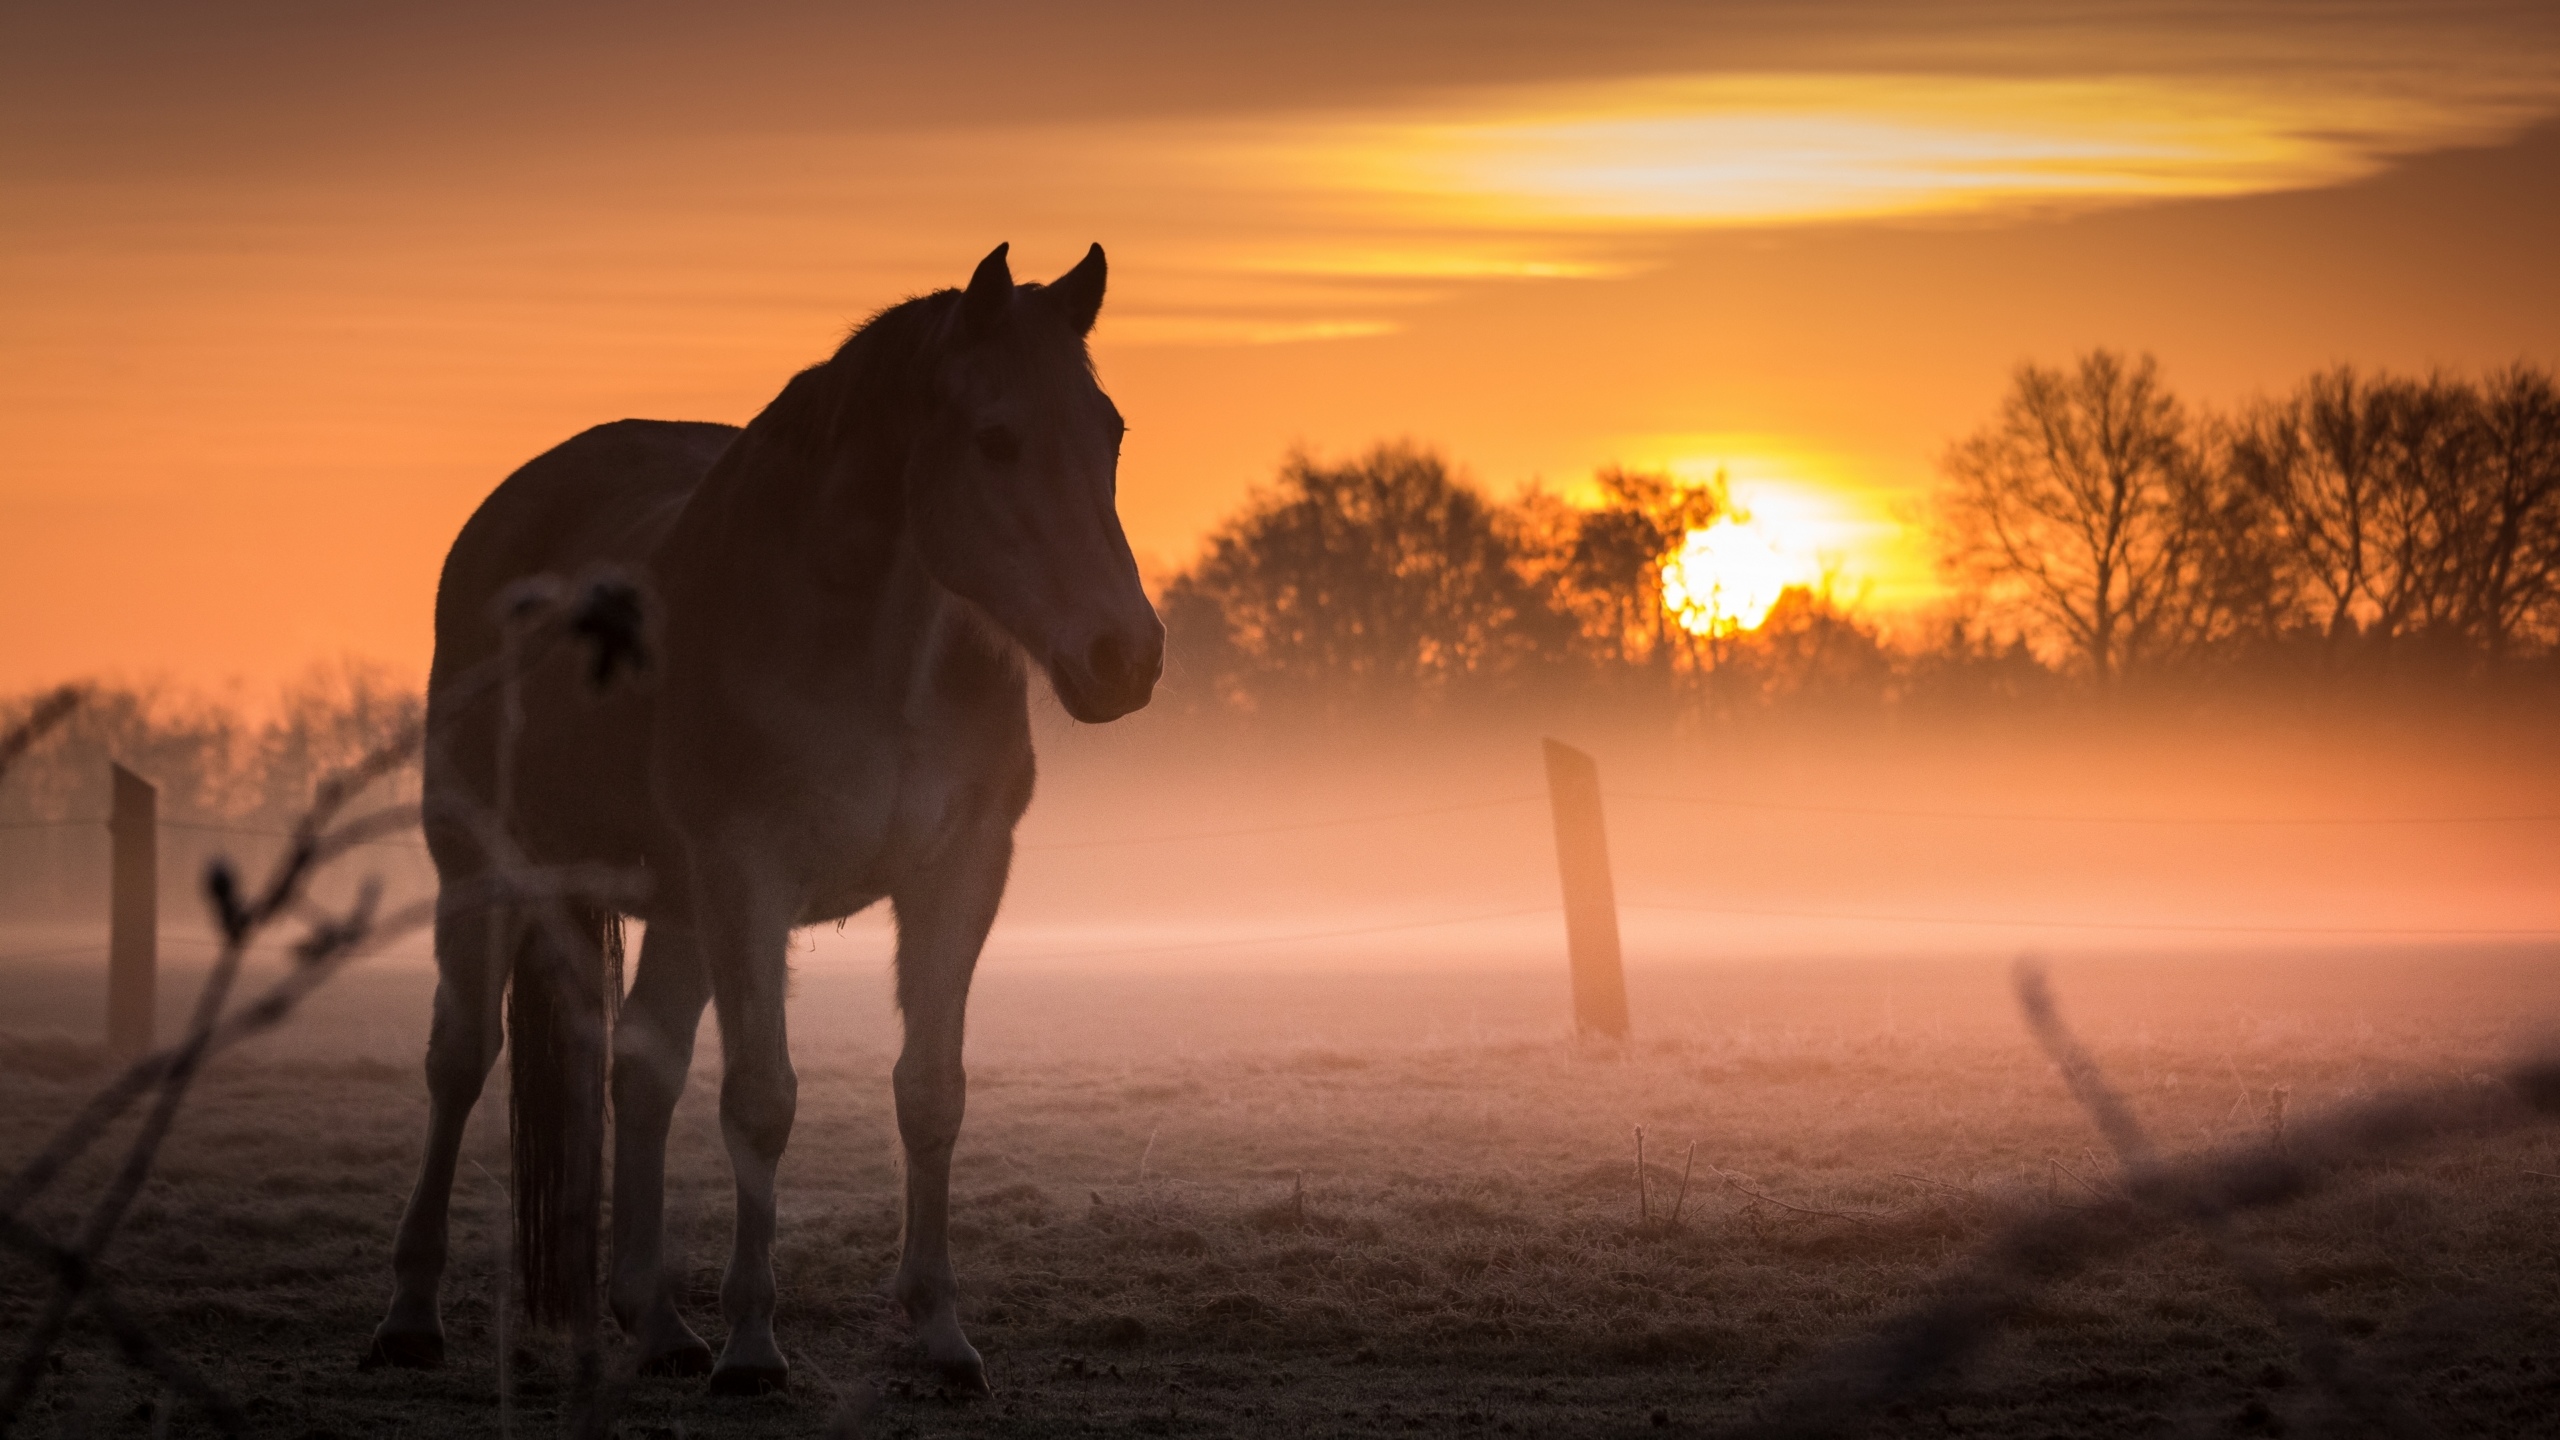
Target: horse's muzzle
(1114,675)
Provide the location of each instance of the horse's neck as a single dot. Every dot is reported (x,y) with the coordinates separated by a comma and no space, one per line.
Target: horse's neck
(791,561)
(809,499)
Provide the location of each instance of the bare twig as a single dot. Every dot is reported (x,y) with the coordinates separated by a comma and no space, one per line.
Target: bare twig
(278,1002)
(605,614)
(50,711)
(1644,1213)
(1734,1182)
(137,1344)
(1682,1197)
(241,919)
(2076,1177)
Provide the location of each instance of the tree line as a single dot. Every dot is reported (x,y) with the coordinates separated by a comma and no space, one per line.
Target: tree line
(2359,521)
(230,783)
(1388,578)
(2097,534)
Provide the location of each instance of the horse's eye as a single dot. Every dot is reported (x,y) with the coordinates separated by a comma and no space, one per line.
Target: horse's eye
(996,442)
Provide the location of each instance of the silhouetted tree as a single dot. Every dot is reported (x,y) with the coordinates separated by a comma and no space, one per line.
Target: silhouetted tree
(1602,564)
(2433,445)
(1956,661)
(2084,505)
(2413,511)
(1808,651)
(2506,528)
(1383,576)
(2320,461)
(2095,520)
(1621,545)
(329,718)
(230,782)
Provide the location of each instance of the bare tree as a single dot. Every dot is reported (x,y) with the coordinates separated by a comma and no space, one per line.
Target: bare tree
(2320,461)
(2506,531)
(2083,505)
(2414,509)
(2431,465)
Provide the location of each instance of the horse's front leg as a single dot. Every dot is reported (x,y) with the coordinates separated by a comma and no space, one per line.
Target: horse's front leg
(942,921)
(744,930)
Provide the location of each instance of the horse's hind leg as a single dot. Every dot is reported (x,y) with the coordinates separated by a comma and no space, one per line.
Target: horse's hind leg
(652,1051)
(462,1043)
(942,922)
(744,937)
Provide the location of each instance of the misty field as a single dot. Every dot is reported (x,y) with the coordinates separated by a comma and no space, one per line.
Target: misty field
(1288,1204)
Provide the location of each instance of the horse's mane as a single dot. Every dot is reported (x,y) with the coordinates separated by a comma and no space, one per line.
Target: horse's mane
(866,387)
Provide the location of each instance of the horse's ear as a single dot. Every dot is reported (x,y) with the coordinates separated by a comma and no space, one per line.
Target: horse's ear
(990,291)
(1079,291)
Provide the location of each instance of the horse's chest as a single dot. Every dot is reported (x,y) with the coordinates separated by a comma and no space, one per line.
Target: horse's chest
(912,822)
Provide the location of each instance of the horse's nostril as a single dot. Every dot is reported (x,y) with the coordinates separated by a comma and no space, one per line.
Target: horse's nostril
(1123,670)
(1107,663)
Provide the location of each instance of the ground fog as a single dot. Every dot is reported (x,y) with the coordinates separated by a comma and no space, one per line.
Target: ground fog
(1323,1197)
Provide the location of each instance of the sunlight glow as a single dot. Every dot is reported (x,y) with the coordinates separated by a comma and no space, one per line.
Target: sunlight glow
(1833,527)
(1729,575)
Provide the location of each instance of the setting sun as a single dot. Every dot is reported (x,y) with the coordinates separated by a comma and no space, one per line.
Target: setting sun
(1727,576)
(1821,509)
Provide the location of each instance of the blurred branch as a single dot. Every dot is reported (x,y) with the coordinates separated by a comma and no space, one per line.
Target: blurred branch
(601,614)
(1841,1392)
(2359,1392)
(49,711)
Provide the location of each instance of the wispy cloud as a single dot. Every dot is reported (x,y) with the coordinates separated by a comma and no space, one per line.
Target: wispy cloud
(1793,149)
(1144,328)
(1559,182)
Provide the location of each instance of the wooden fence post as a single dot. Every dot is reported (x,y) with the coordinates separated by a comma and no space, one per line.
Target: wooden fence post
(133,922)
(1590,900)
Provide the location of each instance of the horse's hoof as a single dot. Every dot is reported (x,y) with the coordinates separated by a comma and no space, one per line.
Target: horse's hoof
(684,1360)
(404,1350)
(964,1373)
(750,1379)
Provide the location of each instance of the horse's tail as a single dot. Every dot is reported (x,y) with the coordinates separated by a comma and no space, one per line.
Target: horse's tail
(559,1023)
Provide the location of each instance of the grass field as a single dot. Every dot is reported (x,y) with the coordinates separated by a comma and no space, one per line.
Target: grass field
(1465,1255)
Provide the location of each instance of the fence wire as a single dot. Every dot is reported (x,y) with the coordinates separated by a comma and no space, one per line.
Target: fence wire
(1674,905)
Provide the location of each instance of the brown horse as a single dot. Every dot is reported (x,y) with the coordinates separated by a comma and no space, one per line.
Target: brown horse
(845,592)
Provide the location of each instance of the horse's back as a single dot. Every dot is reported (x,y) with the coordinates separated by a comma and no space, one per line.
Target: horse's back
(606,496)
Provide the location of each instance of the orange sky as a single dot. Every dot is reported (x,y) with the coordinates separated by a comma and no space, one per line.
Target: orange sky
(284,292)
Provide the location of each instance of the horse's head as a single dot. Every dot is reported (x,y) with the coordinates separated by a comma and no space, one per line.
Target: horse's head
(1011,487)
